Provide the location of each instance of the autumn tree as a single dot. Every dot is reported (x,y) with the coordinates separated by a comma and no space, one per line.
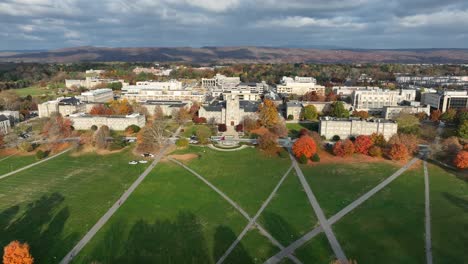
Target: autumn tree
(306,146)
(1,140)
(331,97)
(313,96)
(203,134)
(398,152)
(435,115)
(378,140)
(361,114)
(421,116)
(375,151)
(152,136)
(463,129)
(57,127)
(267,142)
(250,124)
(408,140)
(121,107)
(338,110)
(461,160)
(181,115)
(158,113)
(343,148)
(408,123)
(17,253)
(309,112)
(100,137)
(100,109)
(449,115)
(279,129)
(362,144)
(268,113)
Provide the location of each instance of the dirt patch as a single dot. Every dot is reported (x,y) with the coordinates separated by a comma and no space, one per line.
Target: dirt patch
(327,158)
(184,157)
(86,149)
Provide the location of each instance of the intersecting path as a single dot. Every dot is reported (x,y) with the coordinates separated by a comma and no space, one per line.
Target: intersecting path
(103,220)
(252,221)
(427,216)
(8,156)
(301,241)
(34,164)
(335,245)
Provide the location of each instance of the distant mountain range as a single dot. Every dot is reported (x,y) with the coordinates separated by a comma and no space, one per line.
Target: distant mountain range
(237,55)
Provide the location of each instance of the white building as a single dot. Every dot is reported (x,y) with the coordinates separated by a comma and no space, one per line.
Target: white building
(433,80)
(63,105)
(153,70)
(294,108)
(230,112)
(97,96)
(4,125)
(160,95)
(375,100)
(167,107)
(347,91)
(392,112)
(83,121)
(14,116)
(153,85)
(444,100)
(220,80)
(90,82)
(299,85)
(345,128)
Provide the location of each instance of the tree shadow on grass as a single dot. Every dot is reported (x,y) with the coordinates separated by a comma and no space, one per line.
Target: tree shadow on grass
(180,241)
(41,225)
(223,239)
(457,201)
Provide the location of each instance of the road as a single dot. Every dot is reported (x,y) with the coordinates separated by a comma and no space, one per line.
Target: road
(304,239)
(238,208)
(335,245)
(103,220)
(34,164)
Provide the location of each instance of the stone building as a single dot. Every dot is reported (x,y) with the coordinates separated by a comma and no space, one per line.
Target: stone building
(4,125)
(299,85)
(294,108)
(14,116)
(63,105)
(90,82)
(219,81)
(231,111)
(97,96)
(345,128)
(167,107)
(373,101)
(444,100)
(82,121)
(392,112)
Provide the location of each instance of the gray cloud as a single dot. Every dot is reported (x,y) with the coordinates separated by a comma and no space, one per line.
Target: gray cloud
(48,24)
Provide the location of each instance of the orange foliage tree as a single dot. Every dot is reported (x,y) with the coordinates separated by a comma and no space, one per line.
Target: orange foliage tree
(435,115)
(306,146)
(362,144)
(398,151)
(100,110)
(461,160)
(267,142)
(121,107)
(361,114)
(343,148)
(17,253)
(57,126)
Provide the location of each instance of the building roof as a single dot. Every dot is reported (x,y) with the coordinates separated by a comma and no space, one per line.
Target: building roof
(372,120)
(249,106)
(69,101)
(3,118)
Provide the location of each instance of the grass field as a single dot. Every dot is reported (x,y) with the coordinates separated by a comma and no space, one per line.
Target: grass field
(317,250)
(11,163)
(33,91)
(336,186)
(53,204)
(389,227)
(294,128)
(449,209)
(247,176)
(171,218)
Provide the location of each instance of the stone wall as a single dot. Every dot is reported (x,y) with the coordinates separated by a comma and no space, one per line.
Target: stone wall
(120,123)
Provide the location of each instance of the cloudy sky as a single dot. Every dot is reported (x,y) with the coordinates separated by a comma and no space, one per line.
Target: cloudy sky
(50,24)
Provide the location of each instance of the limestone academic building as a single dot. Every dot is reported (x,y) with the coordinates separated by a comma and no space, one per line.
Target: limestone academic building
(345,128)
(230,112)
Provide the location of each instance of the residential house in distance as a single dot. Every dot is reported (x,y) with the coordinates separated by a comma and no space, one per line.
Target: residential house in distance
(63,105)
(231,111)
(4,125)
(82,121)
(444,100)
(348,127)
(299,85)
(97,96)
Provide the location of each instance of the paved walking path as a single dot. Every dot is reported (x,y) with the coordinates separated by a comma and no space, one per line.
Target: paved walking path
(428,215)
(103,220)
(304,239)
(34,164)
(335,245)
(254,219)
(211,146)
(235,205)
(8,156)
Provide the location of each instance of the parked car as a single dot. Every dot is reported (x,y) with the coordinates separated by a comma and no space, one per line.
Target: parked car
(143,161)
(133,162)
(147,155)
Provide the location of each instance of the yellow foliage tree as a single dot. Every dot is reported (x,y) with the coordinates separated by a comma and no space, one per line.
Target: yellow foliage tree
(17,253)
(268,114)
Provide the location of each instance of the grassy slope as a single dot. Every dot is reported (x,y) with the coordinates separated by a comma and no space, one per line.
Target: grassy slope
(294,128)
(15,162)
(316,250)
(449,210)
(336,186)
(52,205)
(171,218)
(389,227)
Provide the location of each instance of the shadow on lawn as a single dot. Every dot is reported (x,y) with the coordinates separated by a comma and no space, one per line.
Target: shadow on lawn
(457,201)
(41,225)
(180,241)
(223,238)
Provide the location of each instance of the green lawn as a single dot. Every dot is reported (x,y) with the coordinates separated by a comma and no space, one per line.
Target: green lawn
(389,227)
(11,163)
(316,250)
(190,130)
(253,248)
(294,128)
(34,91)
(52,205)
(449,210)
(289,214)
(337,185)
(247,176)
(172,217)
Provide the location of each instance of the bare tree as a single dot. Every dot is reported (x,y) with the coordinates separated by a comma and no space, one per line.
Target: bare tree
(100,137)
(153,136)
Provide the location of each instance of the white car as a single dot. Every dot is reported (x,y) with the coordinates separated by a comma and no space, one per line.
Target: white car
(133,162)
(143,161)
(193,141)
